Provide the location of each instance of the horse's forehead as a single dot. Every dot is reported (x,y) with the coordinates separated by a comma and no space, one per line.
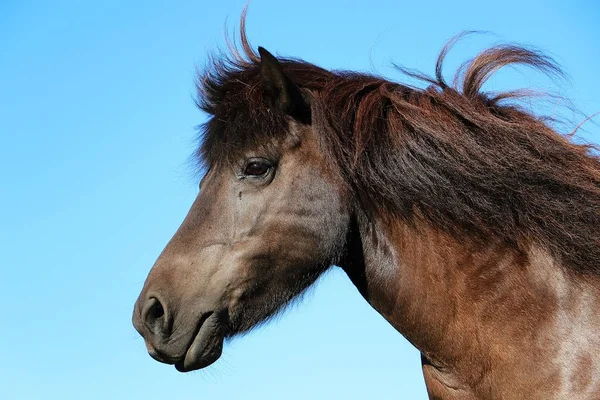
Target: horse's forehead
(235,130)
(251,122)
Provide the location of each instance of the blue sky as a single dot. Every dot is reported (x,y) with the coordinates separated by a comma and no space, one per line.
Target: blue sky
(96,124)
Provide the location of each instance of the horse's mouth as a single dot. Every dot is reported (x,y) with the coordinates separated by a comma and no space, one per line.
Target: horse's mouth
(206,346)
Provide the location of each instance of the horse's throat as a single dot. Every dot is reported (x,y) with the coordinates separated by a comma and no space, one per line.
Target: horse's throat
(483,315)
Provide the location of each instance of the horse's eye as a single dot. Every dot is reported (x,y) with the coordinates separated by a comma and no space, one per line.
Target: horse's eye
(256,168)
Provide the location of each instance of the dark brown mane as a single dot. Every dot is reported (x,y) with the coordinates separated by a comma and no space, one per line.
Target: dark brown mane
(465,161)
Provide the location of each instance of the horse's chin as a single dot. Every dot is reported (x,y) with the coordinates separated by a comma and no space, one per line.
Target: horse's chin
(206,348)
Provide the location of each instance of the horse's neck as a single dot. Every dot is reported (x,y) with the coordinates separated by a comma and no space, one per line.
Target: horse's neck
(490,321)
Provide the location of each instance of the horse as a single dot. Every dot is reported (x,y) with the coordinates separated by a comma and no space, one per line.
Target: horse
(467,221)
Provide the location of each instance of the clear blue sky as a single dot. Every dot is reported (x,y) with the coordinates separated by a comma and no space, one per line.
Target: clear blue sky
(96,123)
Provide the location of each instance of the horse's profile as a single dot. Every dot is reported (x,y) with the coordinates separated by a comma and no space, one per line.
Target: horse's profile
(469,223)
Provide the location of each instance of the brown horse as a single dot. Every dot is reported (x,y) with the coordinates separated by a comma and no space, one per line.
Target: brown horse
(470,224)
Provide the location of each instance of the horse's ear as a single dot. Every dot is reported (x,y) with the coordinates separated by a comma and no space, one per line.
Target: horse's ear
(280,90)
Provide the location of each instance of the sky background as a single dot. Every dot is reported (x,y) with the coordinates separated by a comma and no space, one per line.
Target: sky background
(96,124)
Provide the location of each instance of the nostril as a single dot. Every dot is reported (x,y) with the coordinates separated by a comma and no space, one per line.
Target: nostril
(153,316)
(156,310)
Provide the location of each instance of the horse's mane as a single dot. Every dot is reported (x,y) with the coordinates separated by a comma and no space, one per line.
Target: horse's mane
(465,161)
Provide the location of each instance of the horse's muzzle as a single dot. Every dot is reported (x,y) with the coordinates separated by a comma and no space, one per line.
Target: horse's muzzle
(191,348)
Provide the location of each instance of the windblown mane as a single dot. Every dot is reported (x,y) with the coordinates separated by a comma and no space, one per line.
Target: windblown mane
(465,161)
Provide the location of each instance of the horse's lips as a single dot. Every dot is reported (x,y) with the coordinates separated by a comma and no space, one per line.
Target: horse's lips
(206,347)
